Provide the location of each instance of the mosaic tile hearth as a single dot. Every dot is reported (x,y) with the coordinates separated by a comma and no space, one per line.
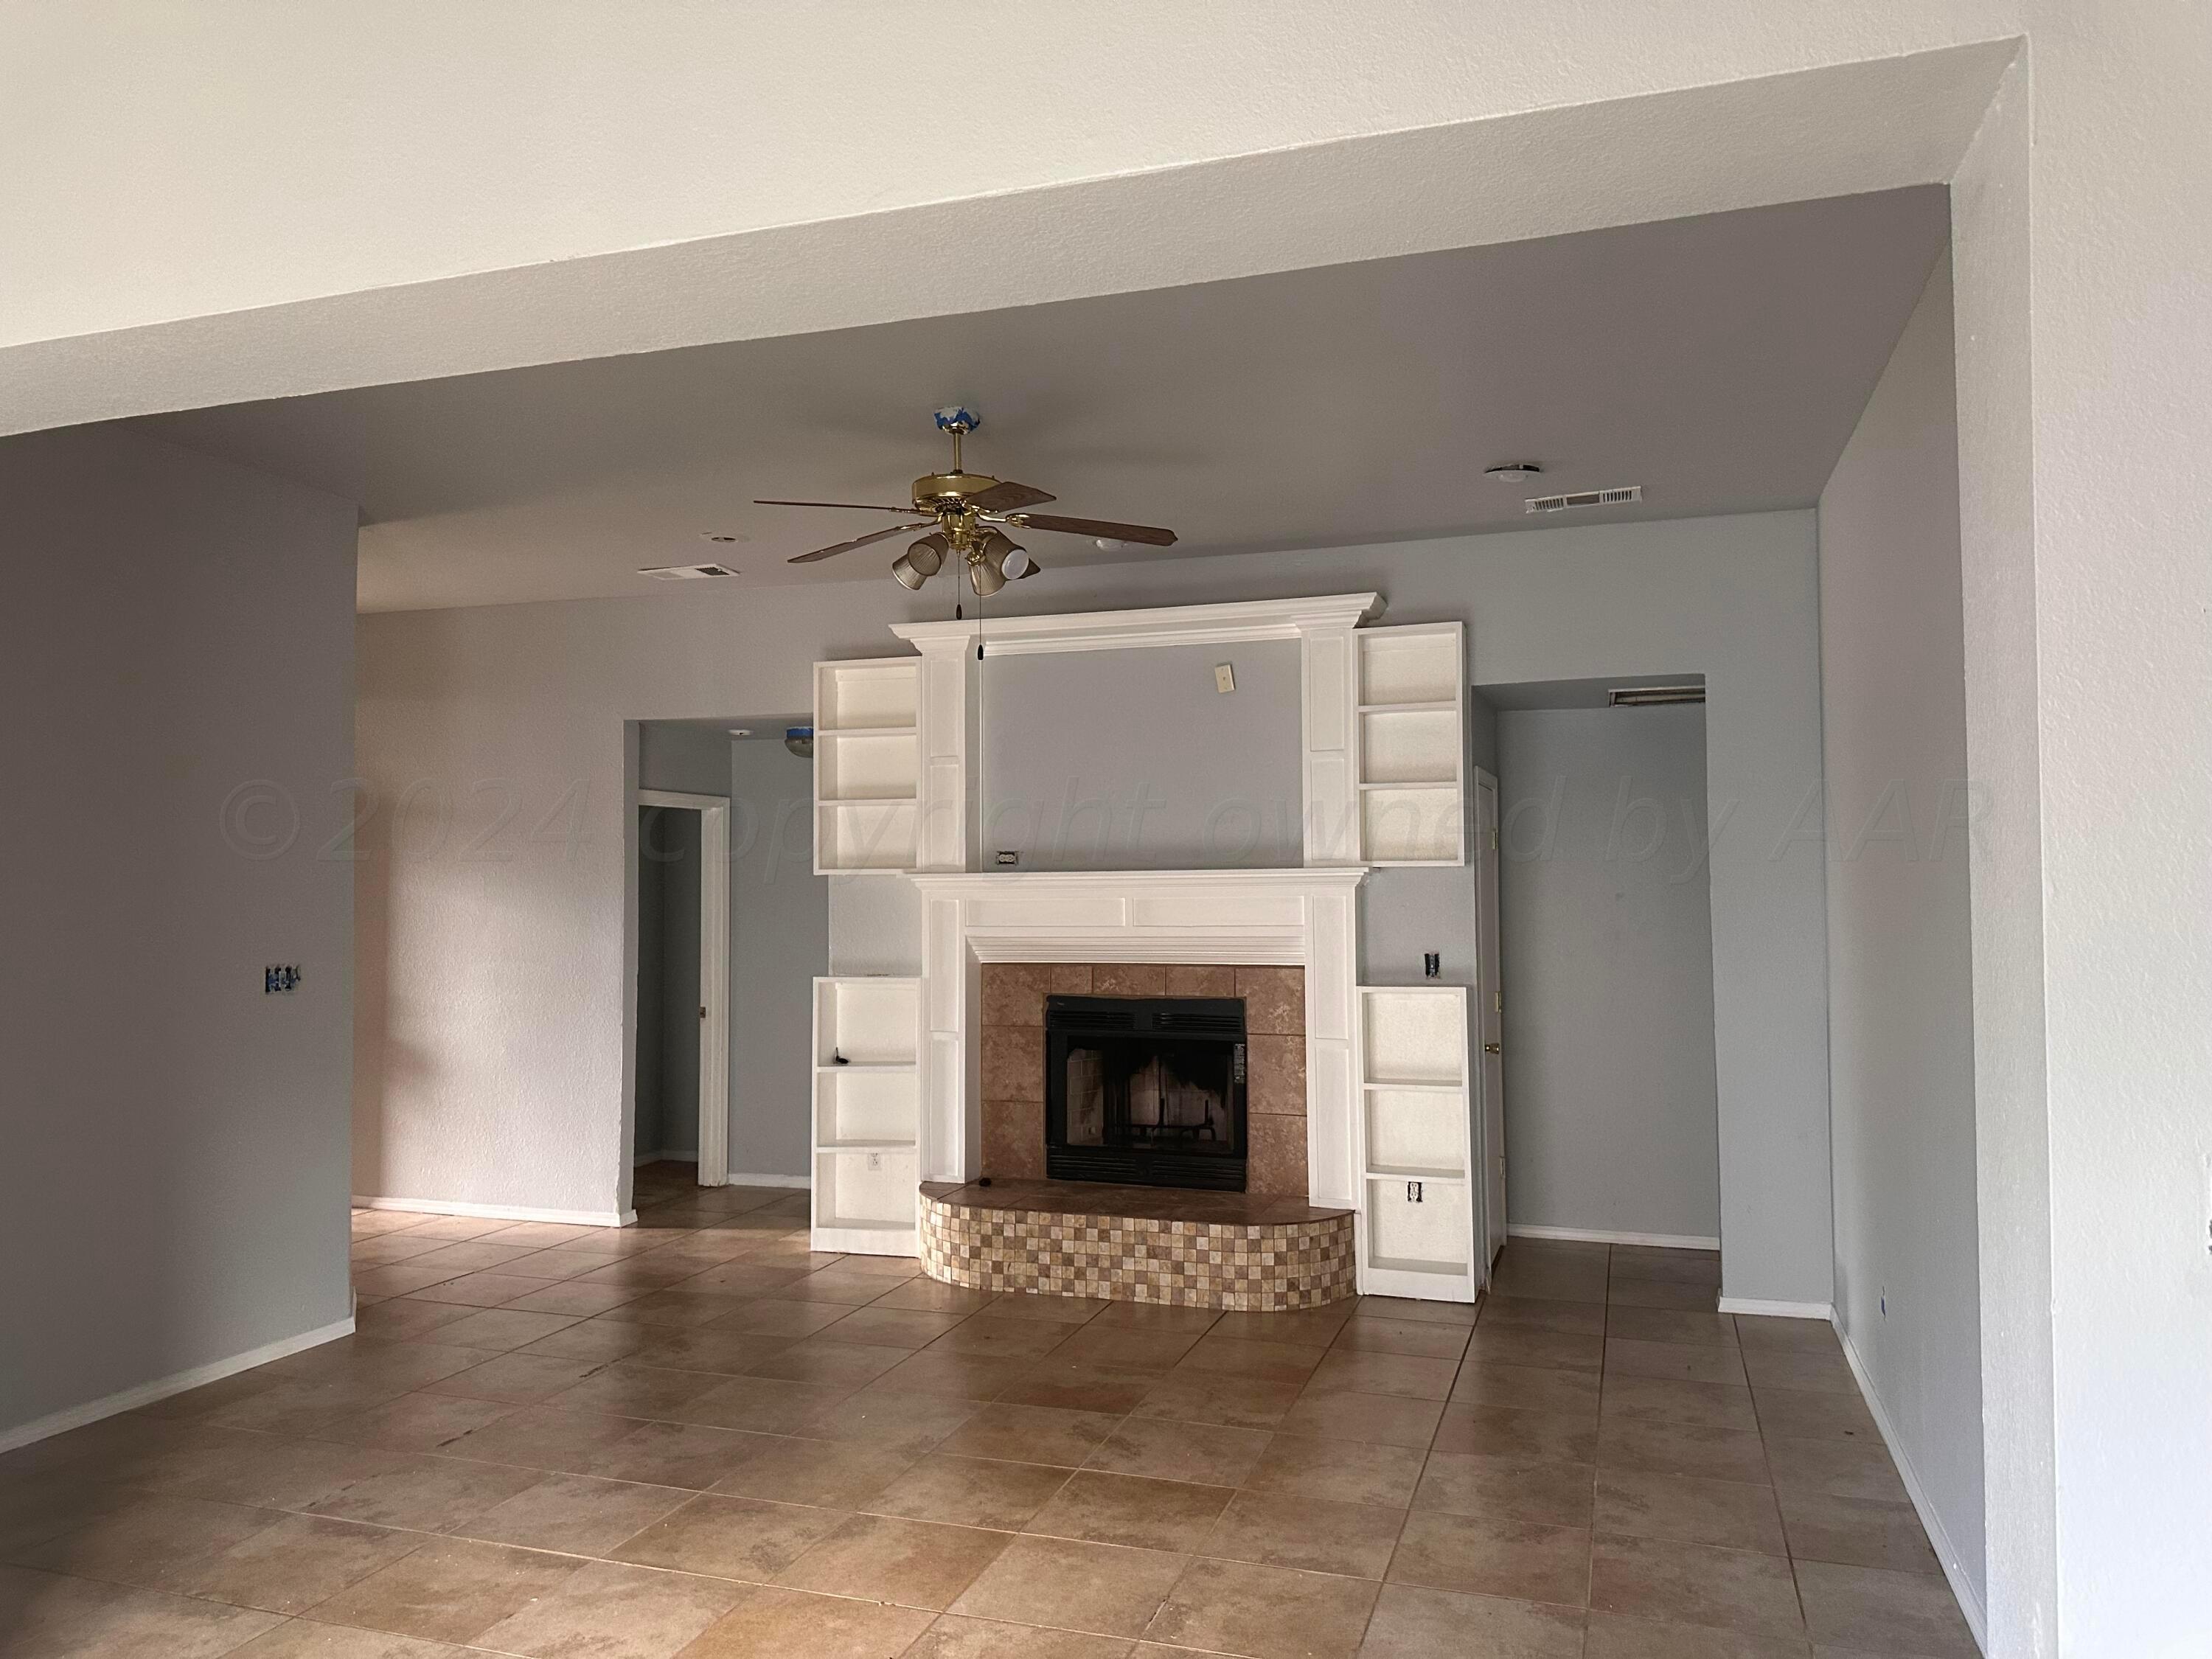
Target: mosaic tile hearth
(1275,1259)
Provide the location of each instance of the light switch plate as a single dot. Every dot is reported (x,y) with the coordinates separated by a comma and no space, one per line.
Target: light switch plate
(1224,677)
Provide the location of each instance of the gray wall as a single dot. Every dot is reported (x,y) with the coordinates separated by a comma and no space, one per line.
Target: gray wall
(779,941)
(176,655)
(1899,964)
(1131,760)
(1604,909)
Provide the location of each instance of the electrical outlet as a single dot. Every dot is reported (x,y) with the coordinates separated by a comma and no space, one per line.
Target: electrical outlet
(1431,964)
(1224,677)
(1412,1192)
(1009,858)
(281,980)
(875,1162)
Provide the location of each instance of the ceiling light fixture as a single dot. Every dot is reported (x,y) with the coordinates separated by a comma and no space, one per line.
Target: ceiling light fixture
(1513,472)
(685,573)
(920,562)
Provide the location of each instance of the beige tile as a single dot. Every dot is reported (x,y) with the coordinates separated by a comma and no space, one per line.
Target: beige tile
(1413,1623)
(959,1375)
(575,1514)
(1463,1314)
(677,1309)
(1856,1532)
(1201,1396)
(1013,1063)
(1069,1386)
(1123,1509)
(401,1278)
(729,1354)
(672,1455)
(150,1538)
(1338,1472)
(1657,1261)
(1805,1335)
(1268,1612)
(629,1389)
(46,1617)
(1306,1328)
(1266,1362)
(1686,1295)
(731,1537)
(423,1422)
(1351,1539)
(970,1492)
(892,1328)
(543,1437)
(1559,1351)
(265,1472)
(1530,1313)
(914,1564)
(486,1290)
(299,1638)
(1805,1415)
(1038,1304)
(301,1560)
(1120,1348)
(1679,1362)
(1209,1454)
(1509,1432)
(598,1340)
(1275,1155)
(1036,1434)
(1494,1555)
(1275,1000)
(839,1364)
(1702,1329)
(447,1591)
(1404,1336)
(928,1296)
(1013,1140)
(1611,1636)
(1276,1075)
(797,1624)
(1842,1468)
(1733,1514)
(1528,1388)
(1674,1583)
(1191,980)
(428,1494)
(1380,1420)
(401,1318)
(501,1329)
(1128,979)
(517,1379)
(826,1473)
(955,1637)
(1905,1614)
(1526,1489)
(898,1425)
(758,1405)
(1070,1585)
(1013,993)
(1681,1448)
(608,1611)
(1363,1371)
(1792,1368)
(1667,1399)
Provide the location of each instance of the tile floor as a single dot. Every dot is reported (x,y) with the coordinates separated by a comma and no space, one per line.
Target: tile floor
(694,1437)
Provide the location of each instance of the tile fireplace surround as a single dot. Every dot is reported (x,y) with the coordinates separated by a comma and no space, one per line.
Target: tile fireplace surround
(1012,1024)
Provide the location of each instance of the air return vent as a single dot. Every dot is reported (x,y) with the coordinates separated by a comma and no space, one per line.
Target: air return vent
(686,572)
(1585,498)
(1648,697)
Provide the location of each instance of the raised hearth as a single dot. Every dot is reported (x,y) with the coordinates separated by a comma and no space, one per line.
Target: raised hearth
(1244,1252)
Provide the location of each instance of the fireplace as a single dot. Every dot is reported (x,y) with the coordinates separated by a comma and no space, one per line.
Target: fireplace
(1145,1090)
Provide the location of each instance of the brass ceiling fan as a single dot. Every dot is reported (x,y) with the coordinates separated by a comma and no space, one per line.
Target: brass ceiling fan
(967,509)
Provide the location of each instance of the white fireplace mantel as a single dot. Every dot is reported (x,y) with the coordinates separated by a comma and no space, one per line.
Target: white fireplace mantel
(1304,918)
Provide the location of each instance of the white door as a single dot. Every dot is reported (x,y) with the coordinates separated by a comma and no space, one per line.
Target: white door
(1488,996)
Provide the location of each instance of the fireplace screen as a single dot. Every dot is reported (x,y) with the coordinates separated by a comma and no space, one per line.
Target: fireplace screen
(1148,1091)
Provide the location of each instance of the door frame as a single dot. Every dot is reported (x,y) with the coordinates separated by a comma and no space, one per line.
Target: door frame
(1488,1022)
(713,812)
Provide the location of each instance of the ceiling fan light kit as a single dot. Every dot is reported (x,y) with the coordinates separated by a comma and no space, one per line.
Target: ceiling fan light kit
(967,509)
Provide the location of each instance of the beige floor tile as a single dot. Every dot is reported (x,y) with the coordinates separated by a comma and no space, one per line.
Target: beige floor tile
(401,1278)
(970,1492)
(1074,1387)
(1267,1613)
(829,1475)
(727,1354)
(1667,1399)
(1842,1468)
(631,1389)
(912,1564)
(401,1318)
(581,1300)
(1509,1431)
(1805,1335)
(1687,1295)
(838,1364)
(1242,1402)
(768,1317)
(543,1437)
(1097,1588)
(1351,1539)
(1807,1414)
(1681,1362)
(156,1541)
(482,1290)
(900,1426)
(502,1329)
(680,1309)
(1036,1434)
(600,1341)
(1559,1351)
(517,1379)
(48,1617)
(1908,1615)
(1686,1267)
(575,1514)
(421,1422)
(1792,1368)
(301,1638)
(1380,1419)
(1681,1448)
(758,1405)
(997,1336)
(1528,1388)
(1366,1370)
(956,1375)
(1407,1336)
(1463,1314)
(1733,1514)
(300,1561)
(1611,1636)
(1209,1454)
(892,1328)
(1525,1489)
(1698,1328)
(448,1590)
(1124,1509)
(955,1637)
(838,1285)
(738,1538)
(1413,1623)
(1494,1555)
(1266,1362)
(1520,1313)
(428,1494)
(928,1296)
(1673,1582)
(797,1624)
(1312,1327)
(1121,1348)
(270,1474)
(1338,1471)
(607,1611)
(673,1455)
(1856,1532)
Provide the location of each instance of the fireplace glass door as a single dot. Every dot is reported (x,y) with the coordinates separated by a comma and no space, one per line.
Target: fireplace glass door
(1145,1090)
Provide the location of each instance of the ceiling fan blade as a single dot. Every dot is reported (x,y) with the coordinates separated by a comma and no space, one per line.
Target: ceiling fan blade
(1005,497)
(857,541)
(1150,535)
(858,506)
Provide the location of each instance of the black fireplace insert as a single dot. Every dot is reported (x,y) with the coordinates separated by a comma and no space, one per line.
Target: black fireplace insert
(1145,1090)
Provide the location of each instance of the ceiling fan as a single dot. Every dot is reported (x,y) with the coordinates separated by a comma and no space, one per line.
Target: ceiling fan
(967,509)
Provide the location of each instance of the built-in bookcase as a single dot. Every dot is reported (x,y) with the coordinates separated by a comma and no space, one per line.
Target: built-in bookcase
(867,1112)
(867,763)
(1416,1237)
(1412,742)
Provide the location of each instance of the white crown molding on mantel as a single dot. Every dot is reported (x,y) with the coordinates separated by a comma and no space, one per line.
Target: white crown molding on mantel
(1304,918)
(1115,630)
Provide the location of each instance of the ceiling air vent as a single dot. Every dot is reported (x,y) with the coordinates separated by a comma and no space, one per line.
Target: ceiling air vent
(1648,697)
(686,572)
(1585,498)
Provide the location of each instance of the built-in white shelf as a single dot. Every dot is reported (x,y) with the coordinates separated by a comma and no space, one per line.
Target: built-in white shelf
(1411,784)
(1416,1237)
(867,763)
(867,1113)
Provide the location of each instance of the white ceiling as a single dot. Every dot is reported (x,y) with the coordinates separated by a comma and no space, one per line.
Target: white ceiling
(1721,362)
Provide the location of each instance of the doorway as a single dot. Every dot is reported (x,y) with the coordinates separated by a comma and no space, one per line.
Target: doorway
(681,1057)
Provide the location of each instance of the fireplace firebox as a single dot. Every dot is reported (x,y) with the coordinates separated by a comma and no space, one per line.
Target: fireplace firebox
(1145,1090)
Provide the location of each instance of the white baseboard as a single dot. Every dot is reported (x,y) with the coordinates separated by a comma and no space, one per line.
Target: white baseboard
(1961,1587)
(76,1417)
(1764,1309)
(802,1184)
(500,1212)
(1592,1236)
